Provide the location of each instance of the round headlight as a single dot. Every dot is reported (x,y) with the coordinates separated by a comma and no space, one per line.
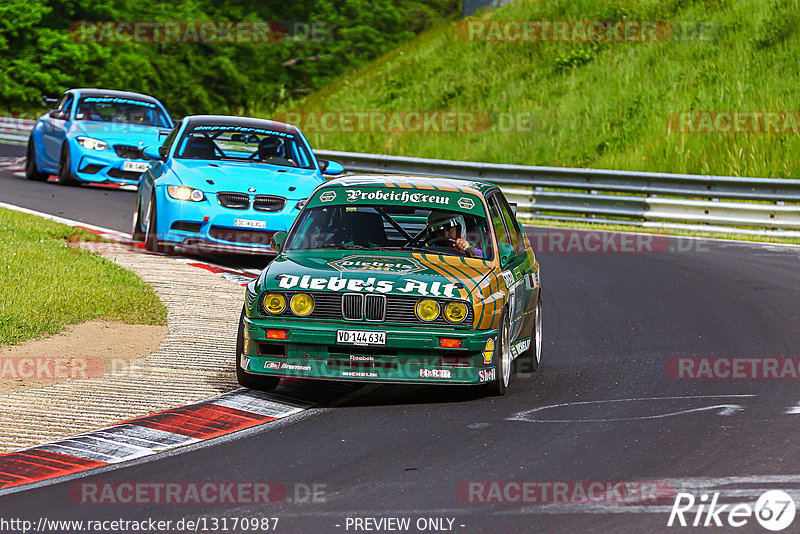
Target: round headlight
(455,312)
(427,310)
(302,304)
(274,303)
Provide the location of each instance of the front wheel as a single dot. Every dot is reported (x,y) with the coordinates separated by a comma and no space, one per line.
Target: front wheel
(65,176)
(261,383)
(501,359)
(137,232)
(151,241)
(31,172)
(533,356)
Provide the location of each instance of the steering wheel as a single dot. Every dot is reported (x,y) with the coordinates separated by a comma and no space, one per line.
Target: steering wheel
(446,241)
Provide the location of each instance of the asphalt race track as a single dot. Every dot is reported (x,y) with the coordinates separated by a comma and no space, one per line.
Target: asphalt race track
(603,407)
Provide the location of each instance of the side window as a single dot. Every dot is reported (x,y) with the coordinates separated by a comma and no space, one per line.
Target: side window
(497,222)
(511,223)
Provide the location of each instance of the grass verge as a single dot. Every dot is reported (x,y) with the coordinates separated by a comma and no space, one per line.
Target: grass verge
(46,284)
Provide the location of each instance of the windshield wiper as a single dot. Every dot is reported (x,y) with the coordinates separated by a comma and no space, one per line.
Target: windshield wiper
(346,247)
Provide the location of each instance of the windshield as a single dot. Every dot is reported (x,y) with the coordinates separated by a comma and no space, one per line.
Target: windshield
(382,227)
(121,110)
(243,144)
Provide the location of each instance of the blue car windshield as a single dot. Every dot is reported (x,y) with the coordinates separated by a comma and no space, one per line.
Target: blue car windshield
(121,110)
(239,143)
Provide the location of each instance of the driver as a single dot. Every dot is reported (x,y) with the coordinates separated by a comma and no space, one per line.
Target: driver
(271,150)
(446,228)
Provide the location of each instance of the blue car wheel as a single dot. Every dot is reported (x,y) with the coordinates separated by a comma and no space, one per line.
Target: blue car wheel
(65,176)
(31,172)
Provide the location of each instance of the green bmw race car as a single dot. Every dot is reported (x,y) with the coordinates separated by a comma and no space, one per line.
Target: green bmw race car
(396,280)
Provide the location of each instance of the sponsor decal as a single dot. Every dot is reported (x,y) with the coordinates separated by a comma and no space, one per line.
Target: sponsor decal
(272,365)
(466,203)
(403,197)
(370,285)
(115,100)
(377,263)
(359,374)
(434,373)
(327,196)
(488,352)
(293,367)
(508,277)
(245,362)
(356,358)
(520,347)
(485,375)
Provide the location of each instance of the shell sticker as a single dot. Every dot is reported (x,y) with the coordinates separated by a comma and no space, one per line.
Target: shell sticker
(488,351)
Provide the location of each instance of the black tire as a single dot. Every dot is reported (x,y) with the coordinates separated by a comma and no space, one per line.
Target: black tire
(532,357)
(137,232)
(502,353)
(31,172)
(246,380)
(64,176)
(151,241)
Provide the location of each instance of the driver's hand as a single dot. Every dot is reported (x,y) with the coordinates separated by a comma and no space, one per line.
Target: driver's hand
(462,244)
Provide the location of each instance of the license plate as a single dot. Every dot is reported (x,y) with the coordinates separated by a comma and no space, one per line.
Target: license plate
(134,166)
(360,337)
(247,223)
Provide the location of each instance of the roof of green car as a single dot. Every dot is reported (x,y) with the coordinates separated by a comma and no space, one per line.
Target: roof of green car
(412,182)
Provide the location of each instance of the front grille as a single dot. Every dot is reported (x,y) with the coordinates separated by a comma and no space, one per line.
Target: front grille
(128,151)
(268,203)
(375,307)
(272,350)
(234,201)
(352,306)
(330,306)
(245,237)
(127,175)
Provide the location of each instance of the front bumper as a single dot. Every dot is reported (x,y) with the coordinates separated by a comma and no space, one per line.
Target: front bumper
(102,166)
(411,355)
(207,227)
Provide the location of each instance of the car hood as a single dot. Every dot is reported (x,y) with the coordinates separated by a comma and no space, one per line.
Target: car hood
(119,133)
(390,272)
(244,177)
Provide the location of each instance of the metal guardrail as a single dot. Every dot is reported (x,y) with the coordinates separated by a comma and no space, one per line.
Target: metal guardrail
(684,201)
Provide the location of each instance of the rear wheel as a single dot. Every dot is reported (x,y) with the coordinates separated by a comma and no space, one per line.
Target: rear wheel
(137,231)
(31,172)
(501,360)
(65,176)
(151,241)
(261,383)
(533,356)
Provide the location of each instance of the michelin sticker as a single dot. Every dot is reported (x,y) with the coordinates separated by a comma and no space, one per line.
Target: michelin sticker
(385,264)
(370,285)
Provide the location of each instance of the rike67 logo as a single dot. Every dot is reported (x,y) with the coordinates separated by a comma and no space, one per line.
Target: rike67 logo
(774,510)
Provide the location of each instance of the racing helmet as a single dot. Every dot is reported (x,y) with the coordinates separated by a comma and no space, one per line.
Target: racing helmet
(442,220)
(270,147)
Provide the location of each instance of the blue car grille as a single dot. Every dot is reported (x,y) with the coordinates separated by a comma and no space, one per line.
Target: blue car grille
(268,203)
(234,201)
(128,151)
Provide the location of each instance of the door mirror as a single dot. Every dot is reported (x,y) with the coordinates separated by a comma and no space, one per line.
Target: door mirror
(277,241)
(507,253)
(163,151)
(60,114)
(331,168)
(151,152)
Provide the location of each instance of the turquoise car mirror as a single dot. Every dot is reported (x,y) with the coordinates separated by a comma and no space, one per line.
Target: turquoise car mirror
(331,168)
(506,255)
(151,152)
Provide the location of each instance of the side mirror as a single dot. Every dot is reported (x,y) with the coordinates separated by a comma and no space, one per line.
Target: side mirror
(151,152)
(277,241)
(331,168)
(506,255)
(163,151)
(60,114)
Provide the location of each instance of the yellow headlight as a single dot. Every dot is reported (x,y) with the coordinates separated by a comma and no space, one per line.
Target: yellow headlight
(427,310)
(274,303)
(455,312)
(302,304)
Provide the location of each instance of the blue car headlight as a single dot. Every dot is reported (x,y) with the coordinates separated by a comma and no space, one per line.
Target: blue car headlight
(180,192)
(91,143)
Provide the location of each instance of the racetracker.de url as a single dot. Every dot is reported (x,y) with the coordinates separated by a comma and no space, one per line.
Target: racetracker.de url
(142,526)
